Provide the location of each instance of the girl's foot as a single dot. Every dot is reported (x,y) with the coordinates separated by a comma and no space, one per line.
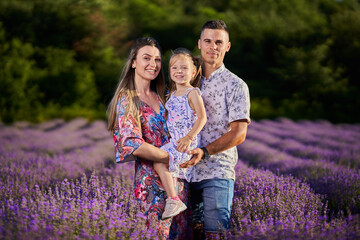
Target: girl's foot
(173,207)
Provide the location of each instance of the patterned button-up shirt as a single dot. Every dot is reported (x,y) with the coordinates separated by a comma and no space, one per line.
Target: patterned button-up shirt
(226,99)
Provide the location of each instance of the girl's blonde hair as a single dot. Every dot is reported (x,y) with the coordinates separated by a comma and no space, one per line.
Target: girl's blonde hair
(126,86)
(195,82)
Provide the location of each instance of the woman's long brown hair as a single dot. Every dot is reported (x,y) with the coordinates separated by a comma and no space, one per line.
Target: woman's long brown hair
(126,86)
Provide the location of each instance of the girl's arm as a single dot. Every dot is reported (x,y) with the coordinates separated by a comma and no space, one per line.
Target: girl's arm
(196,103)
(151,153)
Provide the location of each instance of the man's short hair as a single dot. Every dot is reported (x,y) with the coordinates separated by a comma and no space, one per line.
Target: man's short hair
(215,24)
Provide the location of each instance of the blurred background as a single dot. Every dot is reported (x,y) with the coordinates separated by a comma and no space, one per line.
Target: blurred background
(63,59)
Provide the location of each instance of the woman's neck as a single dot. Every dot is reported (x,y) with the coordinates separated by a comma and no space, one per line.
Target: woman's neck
(142,87)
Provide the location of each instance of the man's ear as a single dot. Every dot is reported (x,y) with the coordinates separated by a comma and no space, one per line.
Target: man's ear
(228,46)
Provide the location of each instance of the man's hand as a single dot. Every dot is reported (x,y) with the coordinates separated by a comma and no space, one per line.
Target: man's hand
(197,154)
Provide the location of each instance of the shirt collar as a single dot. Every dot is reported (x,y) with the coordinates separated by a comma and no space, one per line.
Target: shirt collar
(219,70)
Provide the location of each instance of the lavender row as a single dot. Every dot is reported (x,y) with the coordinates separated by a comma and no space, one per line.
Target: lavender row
(102,208)
(348,133)
(265,196)
(94,208)
(267,206)
(346,155)
(341,185)
(340,138)
(53,137)
(50,152)
(39,169)
(347,228)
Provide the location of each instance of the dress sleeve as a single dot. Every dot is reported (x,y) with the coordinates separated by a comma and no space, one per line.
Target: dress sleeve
(127,136)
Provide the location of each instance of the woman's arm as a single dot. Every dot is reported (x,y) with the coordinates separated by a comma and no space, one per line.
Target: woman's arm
(151,153)
(196,103)
(129,142)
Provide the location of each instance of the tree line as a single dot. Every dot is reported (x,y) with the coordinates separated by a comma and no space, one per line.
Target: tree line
(62,59)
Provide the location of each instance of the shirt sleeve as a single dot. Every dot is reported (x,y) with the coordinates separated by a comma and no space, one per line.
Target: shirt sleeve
(128,136)
(238,99)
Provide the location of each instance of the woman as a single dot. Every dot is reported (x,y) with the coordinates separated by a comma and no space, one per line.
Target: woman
(136,116)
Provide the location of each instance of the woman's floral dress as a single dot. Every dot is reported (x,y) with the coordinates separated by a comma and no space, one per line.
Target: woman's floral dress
(148,189)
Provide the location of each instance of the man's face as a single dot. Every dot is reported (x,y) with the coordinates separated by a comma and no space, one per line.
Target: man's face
(213,44)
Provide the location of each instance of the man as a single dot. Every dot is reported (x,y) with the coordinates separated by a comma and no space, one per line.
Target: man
(227,104)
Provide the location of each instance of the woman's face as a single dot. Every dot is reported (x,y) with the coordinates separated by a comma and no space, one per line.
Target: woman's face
(147,64)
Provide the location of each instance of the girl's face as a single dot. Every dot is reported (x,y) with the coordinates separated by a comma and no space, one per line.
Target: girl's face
(147,63)
(182,69)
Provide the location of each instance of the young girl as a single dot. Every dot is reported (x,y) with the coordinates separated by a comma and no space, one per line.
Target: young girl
(186,118)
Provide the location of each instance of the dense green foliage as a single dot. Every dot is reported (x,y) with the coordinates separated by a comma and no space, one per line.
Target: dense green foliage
(63,58)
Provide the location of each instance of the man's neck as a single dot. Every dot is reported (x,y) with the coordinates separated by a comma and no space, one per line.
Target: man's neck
(208,69)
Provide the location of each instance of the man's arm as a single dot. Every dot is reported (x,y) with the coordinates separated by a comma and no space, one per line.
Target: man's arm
(234,137)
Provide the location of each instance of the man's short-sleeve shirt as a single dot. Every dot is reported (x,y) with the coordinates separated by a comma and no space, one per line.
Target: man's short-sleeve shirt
(226,99)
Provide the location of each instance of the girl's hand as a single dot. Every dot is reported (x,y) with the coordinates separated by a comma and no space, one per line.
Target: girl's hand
(183,144)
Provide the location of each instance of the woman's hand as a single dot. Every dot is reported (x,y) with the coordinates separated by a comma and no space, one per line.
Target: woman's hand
(183,144)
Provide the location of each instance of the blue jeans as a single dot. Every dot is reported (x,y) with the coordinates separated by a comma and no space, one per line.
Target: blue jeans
(211,202)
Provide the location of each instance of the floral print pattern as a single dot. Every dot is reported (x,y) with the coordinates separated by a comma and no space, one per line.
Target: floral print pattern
(226,99)
(181,119)
(148,189)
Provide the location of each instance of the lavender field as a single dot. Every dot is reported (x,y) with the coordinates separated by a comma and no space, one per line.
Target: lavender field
(295,180)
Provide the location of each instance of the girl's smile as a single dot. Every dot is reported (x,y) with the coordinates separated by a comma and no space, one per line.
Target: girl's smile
(182,70)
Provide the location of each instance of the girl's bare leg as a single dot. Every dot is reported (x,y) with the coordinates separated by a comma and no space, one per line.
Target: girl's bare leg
(166,178)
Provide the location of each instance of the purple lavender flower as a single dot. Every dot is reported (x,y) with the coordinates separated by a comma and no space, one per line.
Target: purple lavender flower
(295,180)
